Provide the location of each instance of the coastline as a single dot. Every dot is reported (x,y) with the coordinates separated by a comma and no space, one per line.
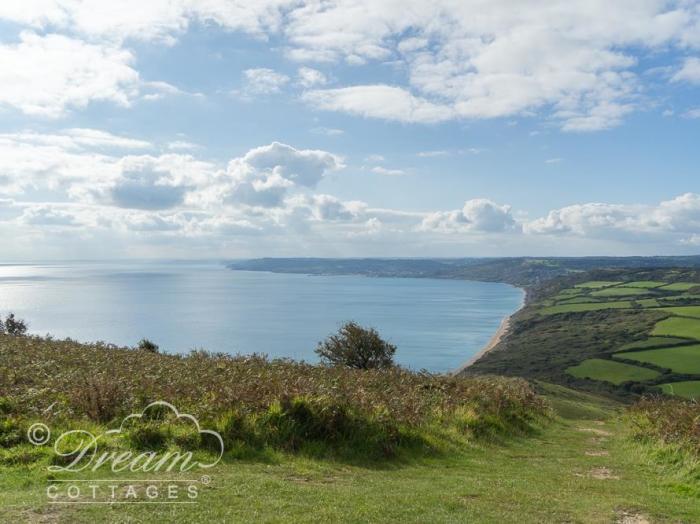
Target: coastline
(500,333)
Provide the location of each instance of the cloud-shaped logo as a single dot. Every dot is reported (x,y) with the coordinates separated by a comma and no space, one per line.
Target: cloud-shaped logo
(178,416)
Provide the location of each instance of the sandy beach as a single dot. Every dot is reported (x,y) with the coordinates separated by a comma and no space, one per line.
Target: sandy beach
(495,339)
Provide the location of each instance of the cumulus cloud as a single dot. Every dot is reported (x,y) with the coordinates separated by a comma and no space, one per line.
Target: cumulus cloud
(679,215)
(573,61)
(51,74)
(477,215)
(379,101)
(309,77)
(263,81)
(263,176)
(689,71)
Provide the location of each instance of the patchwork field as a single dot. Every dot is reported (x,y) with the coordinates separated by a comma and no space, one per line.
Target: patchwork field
(620,292)
(681,359)
(655,342)
(684,311)
(687,389)
(589,306)
(611,371)
(596,284)
(678,327)
(679,286)
(646,284)
(679,334)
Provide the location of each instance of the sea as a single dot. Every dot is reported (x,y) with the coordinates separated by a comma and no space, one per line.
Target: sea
(436,324)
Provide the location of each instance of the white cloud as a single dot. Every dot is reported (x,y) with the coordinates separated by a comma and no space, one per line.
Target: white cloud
(689,71)
(477,215)
(48,75)
(379,101)
(432,154)
(692,113)
(263,176)
(263,81)
(680,215)
(182,145)
(572,61)
(555,160)
(78,138)
(379,170)
(309,77)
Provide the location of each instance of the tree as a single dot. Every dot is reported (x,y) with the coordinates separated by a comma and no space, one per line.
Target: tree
(356,347)
(14,326)
(147,345)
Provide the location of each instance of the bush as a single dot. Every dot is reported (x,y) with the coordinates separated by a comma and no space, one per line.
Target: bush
(13,326)
(146,345)
(356,347)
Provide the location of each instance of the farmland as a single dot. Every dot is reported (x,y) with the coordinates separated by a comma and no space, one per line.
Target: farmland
(590,332)
(681,359)
(686,389)
(611,371)
(678,327)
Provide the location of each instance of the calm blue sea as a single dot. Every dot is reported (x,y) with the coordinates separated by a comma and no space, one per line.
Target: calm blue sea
(436,324)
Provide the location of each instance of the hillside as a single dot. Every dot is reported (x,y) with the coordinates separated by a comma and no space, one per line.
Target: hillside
(527,272)
(310,444)
(622,332)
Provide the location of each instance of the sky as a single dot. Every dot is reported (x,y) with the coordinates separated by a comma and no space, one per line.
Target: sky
(231,129)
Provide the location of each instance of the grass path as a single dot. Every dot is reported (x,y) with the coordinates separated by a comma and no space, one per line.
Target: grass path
(578,469)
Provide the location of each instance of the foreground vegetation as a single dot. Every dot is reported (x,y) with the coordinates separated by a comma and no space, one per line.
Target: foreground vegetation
(258,404)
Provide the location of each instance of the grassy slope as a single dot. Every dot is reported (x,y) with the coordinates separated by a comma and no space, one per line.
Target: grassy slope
(545,478)
(681,359)
(686,389)
(610,371)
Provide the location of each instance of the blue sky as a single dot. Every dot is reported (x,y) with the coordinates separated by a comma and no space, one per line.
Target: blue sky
(193,128)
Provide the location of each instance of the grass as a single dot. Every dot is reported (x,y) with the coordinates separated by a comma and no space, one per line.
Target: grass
(610,371)
(647,302)
(577,308)
(552,476)
(260,404)
(620,292)
(687,389)
(685,311)
(678,327)
(680,359)
(645,284)
(655,342)
(680,286)
(596,284)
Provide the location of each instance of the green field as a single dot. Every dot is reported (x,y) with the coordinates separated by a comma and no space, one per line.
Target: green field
(680,286)
(681,359)
(646,284)
(596,284)
(678,327)
(610,371)
(578,300)
(686,311)
(654,342)
(687,389)
(684,297)
(647,302)
(576,308)
(620,292)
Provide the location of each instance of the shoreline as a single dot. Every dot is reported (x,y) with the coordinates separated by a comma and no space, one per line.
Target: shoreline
(500,333)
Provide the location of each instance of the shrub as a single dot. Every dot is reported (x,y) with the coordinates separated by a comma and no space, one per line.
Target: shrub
(14,326)
(356,347)
(146,345)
